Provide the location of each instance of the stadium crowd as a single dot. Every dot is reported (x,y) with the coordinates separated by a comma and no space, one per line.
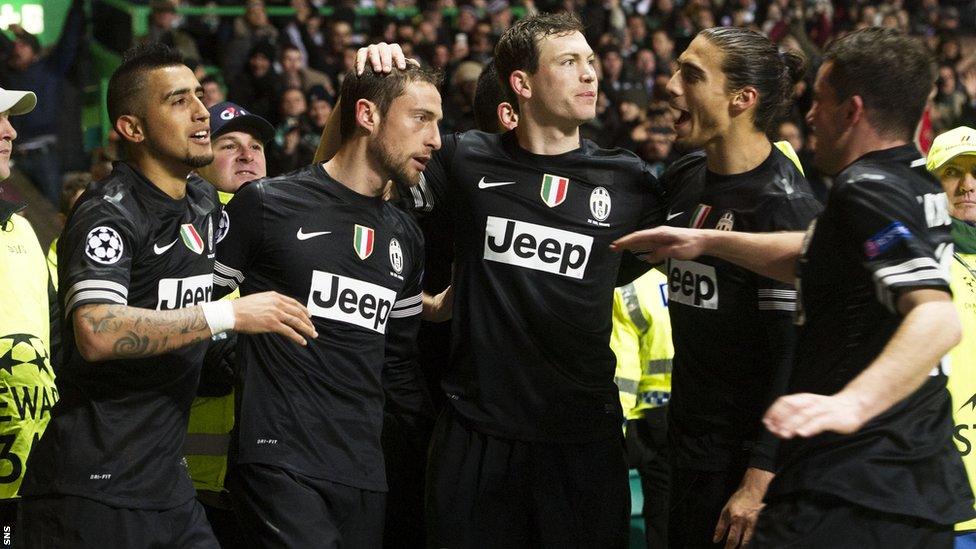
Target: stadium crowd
(288,69)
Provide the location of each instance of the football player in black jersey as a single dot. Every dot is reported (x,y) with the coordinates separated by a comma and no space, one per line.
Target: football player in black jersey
(136,265)
(309,464)
(733,331)
(869,459)
(529,450)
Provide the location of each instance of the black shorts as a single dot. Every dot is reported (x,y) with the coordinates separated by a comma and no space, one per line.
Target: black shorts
(71,521)
(809,520)
(485,491)
(279,508)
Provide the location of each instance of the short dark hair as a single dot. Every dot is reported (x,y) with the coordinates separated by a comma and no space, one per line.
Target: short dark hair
(750,59)
(518,47)
(127,85)
(380,89)
(488,94)
(891,71)
(209,79)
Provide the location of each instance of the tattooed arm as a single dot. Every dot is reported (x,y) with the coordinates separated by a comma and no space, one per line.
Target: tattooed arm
(111,332)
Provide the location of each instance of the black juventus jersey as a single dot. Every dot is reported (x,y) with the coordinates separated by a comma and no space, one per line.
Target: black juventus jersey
(534,279)
(356,263)
(116,436)
(885,230)
(732,329)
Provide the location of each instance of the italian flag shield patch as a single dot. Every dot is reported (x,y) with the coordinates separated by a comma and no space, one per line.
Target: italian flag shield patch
(191,238)
(362,241)
(554,189)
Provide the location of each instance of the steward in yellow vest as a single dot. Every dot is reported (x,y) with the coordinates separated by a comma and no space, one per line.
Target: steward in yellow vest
(641,341)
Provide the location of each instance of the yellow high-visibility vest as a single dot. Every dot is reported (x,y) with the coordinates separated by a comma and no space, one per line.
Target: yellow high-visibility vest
(641,341)
(27,390)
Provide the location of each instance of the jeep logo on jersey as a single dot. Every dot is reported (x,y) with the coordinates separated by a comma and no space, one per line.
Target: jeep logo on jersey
(554,189)
(600,204)
(348,300)
(396,256)
(693,284)
(362,241)
(191,238)
(177,293)
(537,247)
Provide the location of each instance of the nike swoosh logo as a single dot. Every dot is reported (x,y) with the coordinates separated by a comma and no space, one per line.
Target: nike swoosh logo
(673,215)
(160,250)
(483,185)
(306,236)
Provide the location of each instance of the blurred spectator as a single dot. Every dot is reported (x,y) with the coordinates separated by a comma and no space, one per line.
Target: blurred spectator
(320,105)
(950,101)
(163,22)
(257,86)
(250,30)
(458,110)
(658,149)
(37,150)
(212,92)
(289,150)
(296,74)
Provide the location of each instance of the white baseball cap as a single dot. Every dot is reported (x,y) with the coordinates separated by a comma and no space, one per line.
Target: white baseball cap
(17,102)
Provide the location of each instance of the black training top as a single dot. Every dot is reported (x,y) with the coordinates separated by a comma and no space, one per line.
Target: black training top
(356,263)
(733,330)
(534,279)
(116,435)
(885,230)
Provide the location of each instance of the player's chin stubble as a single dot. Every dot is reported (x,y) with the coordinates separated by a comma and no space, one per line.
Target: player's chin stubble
(198,161)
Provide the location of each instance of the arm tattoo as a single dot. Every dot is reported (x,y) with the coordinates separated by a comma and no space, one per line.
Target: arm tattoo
(136,332)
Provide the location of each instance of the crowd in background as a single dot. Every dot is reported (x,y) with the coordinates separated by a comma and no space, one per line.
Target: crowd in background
(288,69)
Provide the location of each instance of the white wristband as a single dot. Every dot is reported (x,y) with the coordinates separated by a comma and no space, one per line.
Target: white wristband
(220,316)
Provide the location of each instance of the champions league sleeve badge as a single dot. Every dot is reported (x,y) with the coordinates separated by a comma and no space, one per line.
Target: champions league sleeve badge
(104,245)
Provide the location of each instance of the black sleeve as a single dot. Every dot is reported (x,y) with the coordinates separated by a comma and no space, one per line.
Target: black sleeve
(95,255)
(654,210)
(407,398)
(776,302)
(434,193)
(888,226)
(238,238)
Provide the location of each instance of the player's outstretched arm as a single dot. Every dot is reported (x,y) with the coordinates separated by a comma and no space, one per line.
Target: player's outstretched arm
(113,332)
(772,255)
(930,328)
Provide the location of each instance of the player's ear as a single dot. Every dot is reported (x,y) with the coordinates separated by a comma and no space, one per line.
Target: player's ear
(130,128)
(854,110)
(519,81)
(367,115)
(744,99)
(507,116)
